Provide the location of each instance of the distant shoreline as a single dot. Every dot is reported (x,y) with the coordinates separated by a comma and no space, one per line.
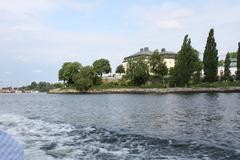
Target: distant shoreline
(148,90)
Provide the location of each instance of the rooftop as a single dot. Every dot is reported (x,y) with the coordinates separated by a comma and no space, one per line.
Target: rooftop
(146,52)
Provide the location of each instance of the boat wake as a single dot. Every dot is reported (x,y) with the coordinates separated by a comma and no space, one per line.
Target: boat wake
(50,141)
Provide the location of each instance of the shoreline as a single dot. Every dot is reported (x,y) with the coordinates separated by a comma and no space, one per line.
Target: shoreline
(148,90)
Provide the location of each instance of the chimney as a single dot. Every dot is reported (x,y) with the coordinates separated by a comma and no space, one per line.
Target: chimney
(146,49)
(163,50)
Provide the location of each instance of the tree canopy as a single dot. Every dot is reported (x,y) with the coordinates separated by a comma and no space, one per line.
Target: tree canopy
(68,70)
(187,63)
(137,72)
(85,79)
(102,66)
(210,59)
(227,73)
(158,67)
(233,54)
(120,69)
(42,86)
(33,86)
(221,63)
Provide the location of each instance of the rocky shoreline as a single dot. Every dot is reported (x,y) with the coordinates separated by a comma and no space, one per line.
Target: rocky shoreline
(148,90)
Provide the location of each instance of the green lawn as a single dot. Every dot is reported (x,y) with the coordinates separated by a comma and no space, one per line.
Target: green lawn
(217,84)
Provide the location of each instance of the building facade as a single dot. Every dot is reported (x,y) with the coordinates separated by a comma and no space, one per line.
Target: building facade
(233,68)
(168,57)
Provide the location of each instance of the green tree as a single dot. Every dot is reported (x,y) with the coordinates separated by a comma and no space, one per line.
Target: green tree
(227,72)
(210,59)
(158,67)
(220,63)
(102,66)
(58,85)
(172,77)
(120,69)
(85,79)
(233,54)
(137,72)
(44,86)
(83,84)
(33,86)
(187,63)
(68,70)
(198,72)
(238,63)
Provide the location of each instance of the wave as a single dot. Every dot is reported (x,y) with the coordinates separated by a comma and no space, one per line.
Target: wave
(50,141)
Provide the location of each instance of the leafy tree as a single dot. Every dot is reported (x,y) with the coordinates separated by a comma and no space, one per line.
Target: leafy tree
(85,79)
(172,77)
(187,63)
(33,86)
(102,66)
(68,70)
(83,84)
(158,67)
(221,63)
(198,72)
(238,63)
(137,72)
(120,69)
(44,86)
(210,59)
(58,85)
(227,72)
(233,54)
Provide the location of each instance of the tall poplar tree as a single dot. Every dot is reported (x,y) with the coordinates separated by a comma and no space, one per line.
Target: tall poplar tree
(238,63)
(227,72)
(210,59)
(186,63)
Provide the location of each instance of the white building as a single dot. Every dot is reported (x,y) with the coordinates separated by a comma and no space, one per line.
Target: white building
(168,57)
(115,76)
(233,68)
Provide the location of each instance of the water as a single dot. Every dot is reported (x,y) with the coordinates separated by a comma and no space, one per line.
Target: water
(171,127)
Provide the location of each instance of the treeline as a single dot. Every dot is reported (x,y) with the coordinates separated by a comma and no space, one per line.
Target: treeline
(42,86)
(154,72)
(73,74)
(211,63)
(188,67)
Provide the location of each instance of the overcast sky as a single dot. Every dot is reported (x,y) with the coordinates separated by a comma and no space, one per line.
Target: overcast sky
(37,36)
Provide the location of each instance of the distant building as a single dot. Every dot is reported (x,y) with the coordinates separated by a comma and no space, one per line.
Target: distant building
(112,77)
(220,71)
(233,68)
(168,57)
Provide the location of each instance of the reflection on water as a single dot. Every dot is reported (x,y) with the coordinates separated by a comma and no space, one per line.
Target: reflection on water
(171,126)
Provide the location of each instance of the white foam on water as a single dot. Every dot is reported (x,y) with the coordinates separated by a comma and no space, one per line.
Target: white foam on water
(50,141)
(26,133)
(37,135)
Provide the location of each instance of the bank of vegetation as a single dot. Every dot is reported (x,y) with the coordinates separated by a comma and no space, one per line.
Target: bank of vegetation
(41,86)
(189,72)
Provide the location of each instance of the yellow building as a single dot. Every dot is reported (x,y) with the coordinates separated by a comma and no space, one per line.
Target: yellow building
(168,57)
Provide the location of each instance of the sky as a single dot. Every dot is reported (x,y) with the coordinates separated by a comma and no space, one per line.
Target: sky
(38,36)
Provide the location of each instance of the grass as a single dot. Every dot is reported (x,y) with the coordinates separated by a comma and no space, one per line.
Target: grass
(219,84)
(117,85)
